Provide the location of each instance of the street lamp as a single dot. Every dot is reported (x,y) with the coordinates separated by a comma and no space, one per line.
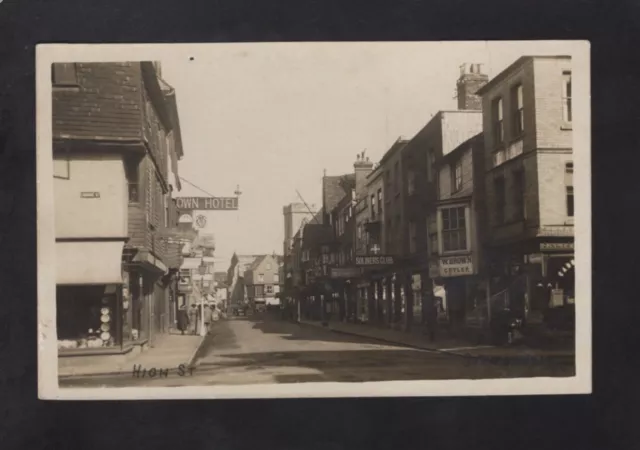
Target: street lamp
(202,270)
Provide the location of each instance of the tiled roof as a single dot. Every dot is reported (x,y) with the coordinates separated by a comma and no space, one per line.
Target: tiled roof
(334,188)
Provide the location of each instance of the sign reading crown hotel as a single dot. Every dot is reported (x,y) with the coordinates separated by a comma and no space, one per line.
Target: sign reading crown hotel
(207,203)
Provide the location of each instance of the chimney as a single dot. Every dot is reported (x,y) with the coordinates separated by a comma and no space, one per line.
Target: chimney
(362,167)
(471,79)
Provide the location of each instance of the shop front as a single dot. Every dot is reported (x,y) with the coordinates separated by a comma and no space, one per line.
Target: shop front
(89,292)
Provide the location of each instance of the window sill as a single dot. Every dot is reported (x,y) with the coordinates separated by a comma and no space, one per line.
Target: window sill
(566,126)
(66,87)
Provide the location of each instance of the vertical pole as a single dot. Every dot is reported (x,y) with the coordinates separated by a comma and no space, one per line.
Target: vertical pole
(202,331)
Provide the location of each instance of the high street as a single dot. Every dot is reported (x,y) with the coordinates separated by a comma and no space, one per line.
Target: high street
(264,349)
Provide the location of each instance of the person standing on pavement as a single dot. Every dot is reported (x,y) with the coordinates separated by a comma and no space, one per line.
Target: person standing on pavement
(183,319)
(208,315)
(193,318)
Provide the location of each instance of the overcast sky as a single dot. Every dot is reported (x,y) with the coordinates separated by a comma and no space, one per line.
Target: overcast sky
(271,117)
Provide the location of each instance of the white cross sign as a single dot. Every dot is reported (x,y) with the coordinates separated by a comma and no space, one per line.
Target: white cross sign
(375,249)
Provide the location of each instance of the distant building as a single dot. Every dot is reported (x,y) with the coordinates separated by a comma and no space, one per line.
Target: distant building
(262,281)
(235,278)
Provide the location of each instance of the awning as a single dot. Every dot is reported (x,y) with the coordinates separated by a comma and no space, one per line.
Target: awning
(89,262)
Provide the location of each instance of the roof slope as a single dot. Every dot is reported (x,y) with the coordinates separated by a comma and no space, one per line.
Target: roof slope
(334,189)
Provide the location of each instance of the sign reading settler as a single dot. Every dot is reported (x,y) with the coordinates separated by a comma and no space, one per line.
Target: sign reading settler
(207,203)
(456,266)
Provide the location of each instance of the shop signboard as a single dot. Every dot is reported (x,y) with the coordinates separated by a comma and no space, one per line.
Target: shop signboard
(535,258)
(346,272)
(556,246)
(377,260)
(207,203)
(456,266)
(564,230)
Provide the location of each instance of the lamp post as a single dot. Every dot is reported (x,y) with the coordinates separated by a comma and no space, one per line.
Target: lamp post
(202,270)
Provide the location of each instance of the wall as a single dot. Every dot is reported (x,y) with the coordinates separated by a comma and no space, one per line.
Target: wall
(551,131)
(90,217)
(457,127)
(445,176)
(109,93)
(374,183)
(551,189)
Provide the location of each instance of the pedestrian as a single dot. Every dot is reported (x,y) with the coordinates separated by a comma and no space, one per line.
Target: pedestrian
(183,319)
(193,318)
(208,315)
(431,316)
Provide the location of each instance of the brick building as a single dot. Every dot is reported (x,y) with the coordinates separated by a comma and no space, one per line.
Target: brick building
(116,146)
(527,115)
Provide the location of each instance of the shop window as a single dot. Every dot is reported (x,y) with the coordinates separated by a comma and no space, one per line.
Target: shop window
(454,229)
(86,317)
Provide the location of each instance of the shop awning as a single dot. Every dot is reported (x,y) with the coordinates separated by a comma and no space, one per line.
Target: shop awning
(89,262)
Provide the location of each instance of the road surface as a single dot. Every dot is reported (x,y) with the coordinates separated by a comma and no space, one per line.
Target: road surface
(264,350)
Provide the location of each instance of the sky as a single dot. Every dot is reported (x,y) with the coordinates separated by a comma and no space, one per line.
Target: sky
(271,117)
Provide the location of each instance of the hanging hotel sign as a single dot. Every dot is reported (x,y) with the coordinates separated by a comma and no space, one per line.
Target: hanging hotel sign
(346,272)
(556,246)
(207,203)
(456,266)
(377,260)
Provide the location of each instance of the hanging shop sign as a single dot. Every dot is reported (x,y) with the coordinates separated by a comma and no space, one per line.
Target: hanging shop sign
(346,272)
(207,203)
(377,260)
(456,266)
(556,231)
(556,246)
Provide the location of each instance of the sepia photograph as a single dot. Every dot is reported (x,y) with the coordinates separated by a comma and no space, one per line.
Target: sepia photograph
(345,219)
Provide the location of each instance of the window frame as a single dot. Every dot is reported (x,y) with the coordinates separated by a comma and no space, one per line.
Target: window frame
(67,71)
(570,201)
(459,232)
(260,278)
(497,122)
(456,181)
(567,103)
(132,175)
(517,114)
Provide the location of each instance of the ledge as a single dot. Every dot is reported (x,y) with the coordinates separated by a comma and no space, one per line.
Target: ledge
(101,351)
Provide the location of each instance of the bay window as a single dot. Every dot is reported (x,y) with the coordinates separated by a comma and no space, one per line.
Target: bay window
(454,229)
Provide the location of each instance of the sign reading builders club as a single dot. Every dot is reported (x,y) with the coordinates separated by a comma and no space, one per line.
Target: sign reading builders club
(207,203)
(374,260)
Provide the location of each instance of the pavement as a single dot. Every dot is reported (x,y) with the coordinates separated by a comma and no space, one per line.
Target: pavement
(447,344)
(264,349)
(168,351)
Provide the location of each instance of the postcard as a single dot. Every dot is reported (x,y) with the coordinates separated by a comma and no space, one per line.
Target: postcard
(337,219)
